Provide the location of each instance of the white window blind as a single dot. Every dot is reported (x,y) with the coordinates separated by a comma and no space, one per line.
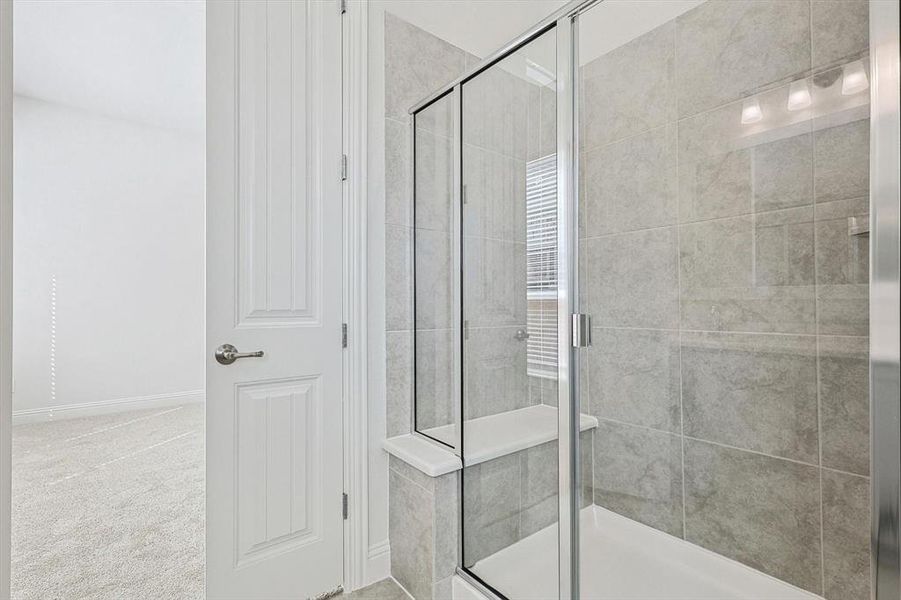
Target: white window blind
(541,266)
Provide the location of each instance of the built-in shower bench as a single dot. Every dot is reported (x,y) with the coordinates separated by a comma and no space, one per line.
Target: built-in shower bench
(424,492)
(485,438)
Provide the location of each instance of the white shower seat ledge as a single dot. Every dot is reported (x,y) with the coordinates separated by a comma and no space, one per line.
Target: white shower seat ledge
(486,438)
(422,454)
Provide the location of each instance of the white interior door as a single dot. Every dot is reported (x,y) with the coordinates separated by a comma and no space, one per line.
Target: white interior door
(274,277)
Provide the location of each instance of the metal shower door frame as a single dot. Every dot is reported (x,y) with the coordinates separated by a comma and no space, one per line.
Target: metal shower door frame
(565,24)
(885,356)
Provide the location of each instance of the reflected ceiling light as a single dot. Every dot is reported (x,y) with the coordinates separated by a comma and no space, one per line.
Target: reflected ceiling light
(539,74)
(854,78)
(750,111)
(798,95)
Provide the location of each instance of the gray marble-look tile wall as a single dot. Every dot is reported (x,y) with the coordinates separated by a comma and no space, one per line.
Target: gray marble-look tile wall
(423,524)
(509,498)
(433,279)
(729,359)
(417,63)
(510,122)
(507,121)
(505,124)
(423,511)
(718,259)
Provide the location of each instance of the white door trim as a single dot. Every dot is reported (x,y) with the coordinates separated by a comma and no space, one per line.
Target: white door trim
(6,285)
(361,567)
(355,368)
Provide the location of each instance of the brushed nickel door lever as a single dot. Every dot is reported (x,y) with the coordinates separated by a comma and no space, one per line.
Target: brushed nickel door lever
(226,354)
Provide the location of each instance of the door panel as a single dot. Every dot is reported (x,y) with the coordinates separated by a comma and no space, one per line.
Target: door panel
(279,213)
(274,450)
(279,463)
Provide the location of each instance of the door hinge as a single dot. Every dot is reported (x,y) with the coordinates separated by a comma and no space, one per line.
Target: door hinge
(342,169)
(344,335)
(342,6)
(344,506)
(581,330)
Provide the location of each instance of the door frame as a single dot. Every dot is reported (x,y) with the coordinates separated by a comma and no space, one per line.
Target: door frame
(356,567)
(6,288)
(359,570)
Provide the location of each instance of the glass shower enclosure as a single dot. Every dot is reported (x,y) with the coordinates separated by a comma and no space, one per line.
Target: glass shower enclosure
(641,246)
(487,299)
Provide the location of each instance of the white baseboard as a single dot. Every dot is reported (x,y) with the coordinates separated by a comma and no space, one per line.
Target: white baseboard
(378,562)
(89,409)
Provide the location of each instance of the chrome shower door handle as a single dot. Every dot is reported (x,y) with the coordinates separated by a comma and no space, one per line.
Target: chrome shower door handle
(226,354)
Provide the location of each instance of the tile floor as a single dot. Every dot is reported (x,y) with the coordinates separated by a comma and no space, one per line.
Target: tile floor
(387,589)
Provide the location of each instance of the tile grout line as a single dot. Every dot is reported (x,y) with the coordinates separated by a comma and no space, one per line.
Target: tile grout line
(678,222)
(816,310)
(712,442)
(846,473)
(727,332)
(816,320)
(755,452)
(731,447)
(678,209)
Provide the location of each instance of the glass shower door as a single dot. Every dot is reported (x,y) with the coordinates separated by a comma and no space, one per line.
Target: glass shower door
(509,313)
(434,280)
(724,260)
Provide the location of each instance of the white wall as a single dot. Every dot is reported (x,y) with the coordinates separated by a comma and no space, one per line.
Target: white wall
(114,212)
(139,60)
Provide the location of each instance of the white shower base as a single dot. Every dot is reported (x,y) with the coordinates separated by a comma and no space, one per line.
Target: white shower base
(625,560)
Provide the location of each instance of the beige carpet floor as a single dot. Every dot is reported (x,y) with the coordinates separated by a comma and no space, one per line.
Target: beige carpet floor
(110,507)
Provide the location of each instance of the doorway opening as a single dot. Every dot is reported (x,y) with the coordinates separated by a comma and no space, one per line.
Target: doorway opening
(108,322)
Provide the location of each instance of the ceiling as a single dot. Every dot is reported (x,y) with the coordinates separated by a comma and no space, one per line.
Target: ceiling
(477,26)
(141,60)
(482,26)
